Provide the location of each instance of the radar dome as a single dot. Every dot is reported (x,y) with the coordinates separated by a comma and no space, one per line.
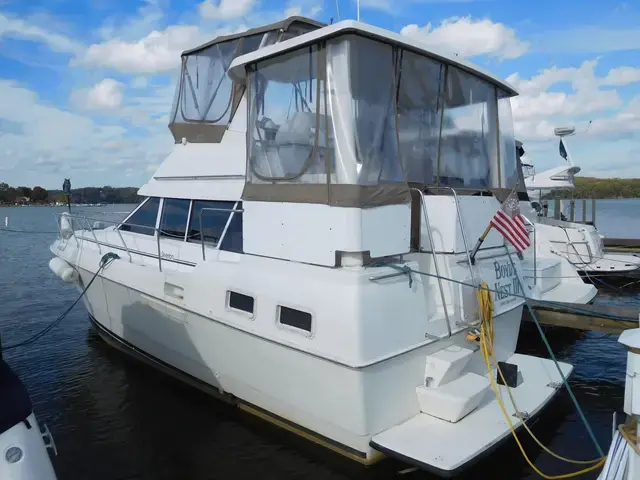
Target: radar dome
(564,131)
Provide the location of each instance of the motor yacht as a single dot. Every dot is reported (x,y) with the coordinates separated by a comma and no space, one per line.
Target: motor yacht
(581,244)
(551,276)
(304,249)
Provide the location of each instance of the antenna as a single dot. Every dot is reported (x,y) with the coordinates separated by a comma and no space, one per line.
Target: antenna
(338,8)
(358,9)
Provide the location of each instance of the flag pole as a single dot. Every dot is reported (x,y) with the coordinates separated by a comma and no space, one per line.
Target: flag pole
(472,257)
(479,243)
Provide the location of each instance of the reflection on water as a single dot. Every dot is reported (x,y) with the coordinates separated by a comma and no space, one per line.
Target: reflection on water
(113,418)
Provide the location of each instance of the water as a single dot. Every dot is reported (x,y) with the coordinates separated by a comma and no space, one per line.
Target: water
(615,217)
(113,418)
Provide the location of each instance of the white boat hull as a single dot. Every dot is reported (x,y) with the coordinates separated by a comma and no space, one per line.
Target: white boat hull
(23,449)
(362,367)
(34,463)
(272,379)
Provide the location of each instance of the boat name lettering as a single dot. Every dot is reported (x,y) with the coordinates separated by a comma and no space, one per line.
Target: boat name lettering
(503,270)
(506,289)
(166,255)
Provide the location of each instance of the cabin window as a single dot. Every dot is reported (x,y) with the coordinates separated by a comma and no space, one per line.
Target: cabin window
(292,317)
(175,215)
(232,241)
(420,90)
(240,301)
(468,146)
(288,122)
(509,175)
(208,221)
(143,220)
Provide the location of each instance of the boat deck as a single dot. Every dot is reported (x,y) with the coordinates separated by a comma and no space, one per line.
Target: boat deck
(446,448)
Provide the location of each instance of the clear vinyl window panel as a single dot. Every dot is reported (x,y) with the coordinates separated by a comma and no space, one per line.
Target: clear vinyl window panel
(420,92)
(372,86)
(468,143)
(288,124)
(509,175)
(143,220)
(206,88)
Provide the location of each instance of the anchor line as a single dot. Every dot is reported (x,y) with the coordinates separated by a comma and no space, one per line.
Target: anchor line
(105,261)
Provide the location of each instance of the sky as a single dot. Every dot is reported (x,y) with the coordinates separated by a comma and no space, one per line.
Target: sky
(86,85)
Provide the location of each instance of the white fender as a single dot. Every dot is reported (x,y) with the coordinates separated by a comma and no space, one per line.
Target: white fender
(62,269)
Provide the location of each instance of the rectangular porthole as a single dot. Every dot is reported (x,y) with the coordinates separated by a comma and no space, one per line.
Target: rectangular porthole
(294,318)
(240,301)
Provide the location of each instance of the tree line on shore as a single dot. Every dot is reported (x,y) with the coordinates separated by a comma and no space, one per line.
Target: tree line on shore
(40,196)
(589,187)
(586,187)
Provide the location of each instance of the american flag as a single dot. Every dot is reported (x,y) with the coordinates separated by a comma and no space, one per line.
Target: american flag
(510,223)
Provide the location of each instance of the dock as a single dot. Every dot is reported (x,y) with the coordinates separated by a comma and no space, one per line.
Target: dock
(591,317)
(622,245)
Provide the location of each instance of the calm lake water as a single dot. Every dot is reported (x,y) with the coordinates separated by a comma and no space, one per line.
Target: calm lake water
(113,418)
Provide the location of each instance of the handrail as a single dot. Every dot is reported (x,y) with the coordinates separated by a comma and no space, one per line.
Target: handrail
(435,260)
(464,237)
(535,251)
(233,211)
(462,230)
(84,223)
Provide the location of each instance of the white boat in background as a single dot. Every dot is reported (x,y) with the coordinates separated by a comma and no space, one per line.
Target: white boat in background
(295,250)
(552,277)
(23,445)
(623,459)
(581,244)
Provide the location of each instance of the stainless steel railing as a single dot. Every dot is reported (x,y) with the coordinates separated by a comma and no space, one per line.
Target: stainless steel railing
(535,250)
(82,223)
(435,259)
(462,230)
(233,211)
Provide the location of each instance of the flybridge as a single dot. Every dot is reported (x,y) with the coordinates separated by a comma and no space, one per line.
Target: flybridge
(206,99)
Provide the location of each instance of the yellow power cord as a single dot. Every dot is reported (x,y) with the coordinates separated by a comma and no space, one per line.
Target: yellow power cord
(486,348)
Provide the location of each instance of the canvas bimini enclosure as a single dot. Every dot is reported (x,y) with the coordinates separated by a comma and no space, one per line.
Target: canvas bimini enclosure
(348,118)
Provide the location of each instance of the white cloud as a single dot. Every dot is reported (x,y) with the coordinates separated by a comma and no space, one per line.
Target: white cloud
(225,9)
(21,29)
(106,95)
(156,52)
(469,38)
(622,76)
(537,111)
(305,8)
(51,139)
